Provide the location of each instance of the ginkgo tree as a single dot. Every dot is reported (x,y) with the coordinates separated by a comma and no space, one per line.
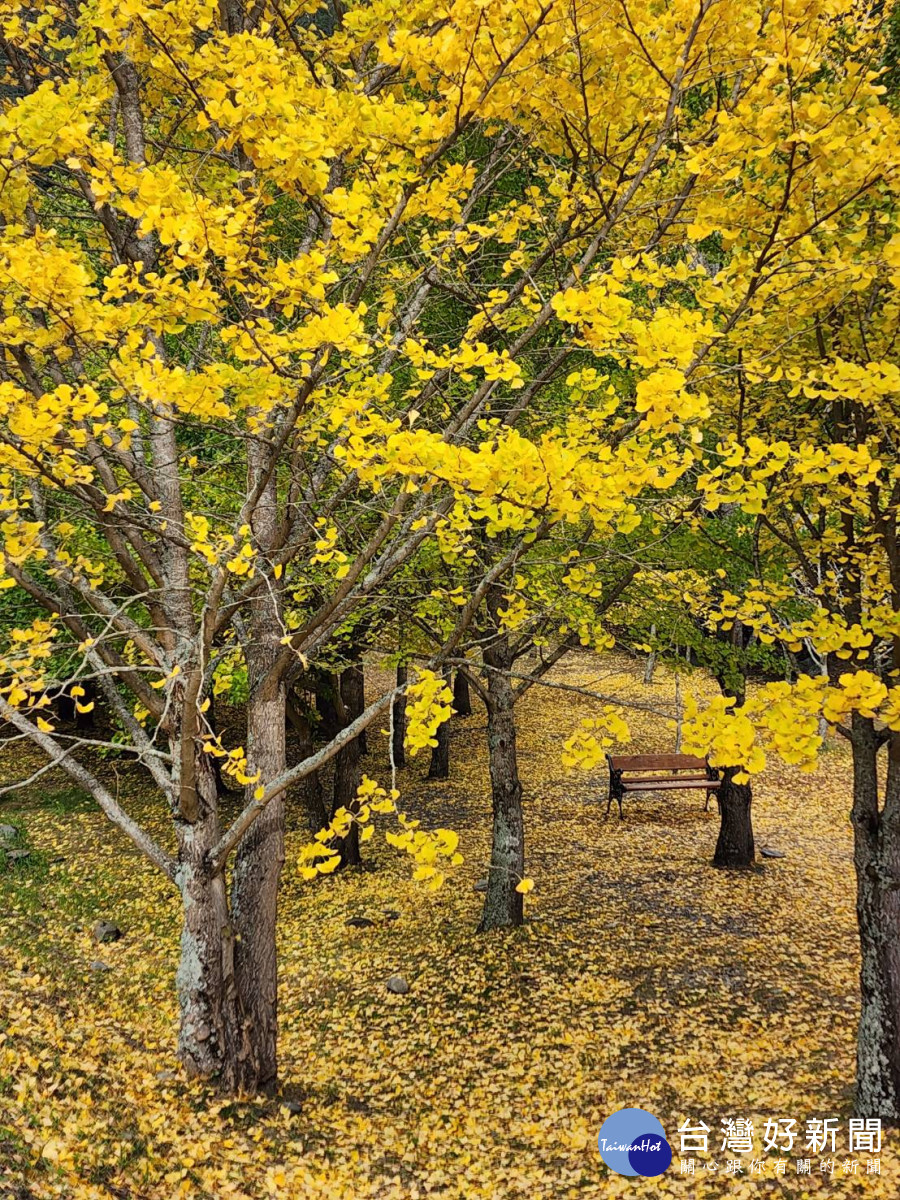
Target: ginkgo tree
(232,406)
(549,602)
(801,439)
(807,417)
(817,472)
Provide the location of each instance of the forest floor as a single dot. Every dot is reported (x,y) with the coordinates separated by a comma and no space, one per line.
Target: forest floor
(642,978)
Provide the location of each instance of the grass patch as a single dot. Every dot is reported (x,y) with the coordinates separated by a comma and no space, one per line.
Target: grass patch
(66,800)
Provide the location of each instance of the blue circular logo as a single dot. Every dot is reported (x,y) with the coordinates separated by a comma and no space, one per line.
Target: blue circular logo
(633,1142)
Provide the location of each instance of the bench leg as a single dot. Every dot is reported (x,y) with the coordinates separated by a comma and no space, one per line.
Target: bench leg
(708,798)
(614,794)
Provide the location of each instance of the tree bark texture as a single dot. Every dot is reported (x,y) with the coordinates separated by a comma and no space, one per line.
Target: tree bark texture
(876,856)
(502,903)
(399,721)
(353,692)
(310,793)
(462,700)
(208,1027)
(260,853)
(735,847)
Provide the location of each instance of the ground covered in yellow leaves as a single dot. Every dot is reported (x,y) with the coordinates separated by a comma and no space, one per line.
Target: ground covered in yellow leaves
(642,978)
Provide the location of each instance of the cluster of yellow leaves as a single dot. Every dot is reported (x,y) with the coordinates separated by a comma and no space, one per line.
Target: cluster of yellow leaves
(215,547)
(21,542)
(583,581)
(782,718)
(778,718)
(427,848)
(512,481)
(428,707)
(764,607)
(745,466)
(865,693)
(233,762)
(327,550)
(23,665)
(587,747)
(515,612)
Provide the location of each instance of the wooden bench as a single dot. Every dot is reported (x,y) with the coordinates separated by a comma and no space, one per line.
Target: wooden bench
(658,772)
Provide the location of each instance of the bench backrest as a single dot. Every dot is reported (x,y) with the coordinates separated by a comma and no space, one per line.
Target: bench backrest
(656,762)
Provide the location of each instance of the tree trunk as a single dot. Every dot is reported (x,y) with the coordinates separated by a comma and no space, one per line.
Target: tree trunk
(399,721)
(254,902)
(877,860)
(260,853)
(346,783)
(310,789)
(208,1030)
(353,691)
(735,845)
(502,903)
(462,701)
(823,724)
(650,666)
(735,848)
(347,773)
(440,754)
(326,686)
(222,785)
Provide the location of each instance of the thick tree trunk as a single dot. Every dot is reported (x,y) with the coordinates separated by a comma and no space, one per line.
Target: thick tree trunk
(735,846)
(254,902)
(346,783)
(502,903)
(462,700)
(440,754)
(260,853)
(398,737)
(877,861)
(208,1029)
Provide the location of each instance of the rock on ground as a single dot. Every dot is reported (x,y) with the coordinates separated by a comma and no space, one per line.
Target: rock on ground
(106,931)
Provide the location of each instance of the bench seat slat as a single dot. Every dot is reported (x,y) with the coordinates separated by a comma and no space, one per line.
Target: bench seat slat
(646,785)
(657,762)
(654,779)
